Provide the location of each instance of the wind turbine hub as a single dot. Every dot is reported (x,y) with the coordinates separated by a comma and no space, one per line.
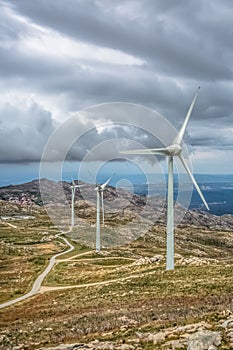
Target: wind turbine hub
(174,149)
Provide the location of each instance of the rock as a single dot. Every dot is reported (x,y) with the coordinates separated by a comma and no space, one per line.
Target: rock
(126,347)
(175,344)
(146,260)
(66,347)
(228,323)
(191,328)
(204,340)
(230,335)
(168,335)
(196,261)
(156,258)
(157,337)
(94,345)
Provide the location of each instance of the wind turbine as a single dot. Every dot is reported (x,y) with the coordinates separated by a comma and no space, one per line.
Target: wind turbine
(175,149)
(100,196)
(73,189)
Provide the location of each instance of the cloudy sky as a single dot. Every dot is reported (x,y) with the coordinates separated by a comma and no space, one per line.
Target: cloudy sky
(59,57)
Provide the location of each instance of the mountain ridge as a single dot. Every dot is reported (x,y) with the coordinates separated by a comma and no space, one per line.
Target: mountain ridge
(118,202)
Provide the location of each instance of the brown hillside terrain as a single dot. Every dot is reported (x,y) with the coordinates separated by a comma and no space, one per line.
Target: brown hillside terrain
(122,298)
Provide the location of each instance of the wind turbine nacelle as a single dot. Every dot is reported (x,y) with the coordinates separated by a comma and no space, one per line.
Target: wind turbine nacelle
(174,150)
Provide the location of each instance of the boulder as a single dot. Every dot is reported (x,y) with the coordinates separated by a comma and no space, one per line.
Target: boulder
(204,340)
(228,323)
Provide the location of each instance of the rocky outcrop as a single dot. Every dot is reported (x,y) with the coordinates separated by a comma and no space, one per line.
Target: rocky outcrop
(119,204)
(95,345)
(227,326)
(175,337)
(204,340)
(204,219)
(192,337)
(146,260)
(196,261)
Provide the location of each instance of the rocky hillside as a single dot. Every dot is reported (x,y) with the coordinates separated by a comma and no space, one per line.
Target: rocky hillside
(197,336)
(121,298)
(120,205)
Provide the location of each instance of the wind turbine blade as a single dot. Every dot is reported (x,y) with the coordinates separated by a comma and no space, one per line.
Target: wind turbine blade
(102,204)
(161,151)
(105,183)
(194,181)
(178,139)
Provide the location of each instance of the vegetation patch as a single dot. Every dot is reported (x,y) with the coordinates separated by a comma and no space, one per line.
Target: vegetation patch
(116,293)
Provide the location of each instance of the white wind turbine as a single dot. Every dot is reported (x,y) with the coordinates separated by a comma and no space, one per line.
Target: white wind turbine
(175,149)
(73,189)
(100,196)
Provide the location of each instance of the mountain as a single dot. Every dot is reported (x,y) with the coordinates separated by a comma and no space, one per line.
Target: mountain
(120,205)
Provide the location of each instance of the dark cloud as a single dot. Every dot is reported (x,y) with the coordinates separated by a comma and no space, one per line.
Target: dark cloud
(158,53)
(107,144)
(216,139)
(161,35)
(24,132)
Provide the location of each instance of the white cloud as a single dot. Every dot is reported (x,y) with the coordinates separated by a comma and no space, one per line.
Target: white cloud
(209,161)
(53,45)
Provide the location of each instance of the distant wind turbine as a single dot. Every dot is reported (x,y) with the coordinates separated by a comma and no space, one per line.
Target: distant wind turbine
(100,196)
(73,189)
(175,149)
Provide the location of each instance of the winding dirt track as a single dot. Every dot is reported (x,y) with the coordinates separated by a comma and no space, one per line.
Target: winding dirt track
(37,284)
(44,289)
(37,288)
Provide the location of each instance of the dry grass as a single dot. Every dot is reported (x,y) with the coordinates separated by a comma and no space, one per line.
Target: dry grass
(153,300)
(24,253)
(145,297)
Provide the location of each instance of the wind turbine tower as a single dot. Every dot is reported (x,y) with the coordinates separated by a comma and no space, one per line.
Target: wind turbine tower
(73,189)
(100,197)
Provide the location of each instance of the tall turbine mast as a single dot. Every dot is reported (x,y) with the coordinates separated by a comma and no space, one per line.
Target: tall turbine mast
(73,189)
(100,196)
(175,149)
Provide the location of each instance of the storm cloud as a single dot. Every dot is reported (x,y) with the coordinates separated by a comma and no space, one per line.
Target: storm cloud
(69,56)
(24,132)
